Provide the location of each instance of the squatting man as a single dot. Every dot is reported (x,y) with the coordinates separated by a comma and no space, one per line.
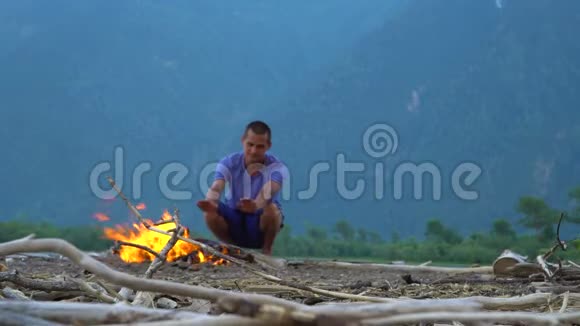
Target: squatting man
(251,215)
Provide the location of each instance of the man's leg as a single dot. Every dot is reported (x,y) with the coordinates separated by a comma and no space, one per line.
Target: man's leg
(270,222)
(215,222)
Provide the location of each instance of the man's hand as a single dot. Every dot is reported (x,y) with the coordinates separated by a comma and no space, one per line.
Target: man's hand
(207,206)
(247,205)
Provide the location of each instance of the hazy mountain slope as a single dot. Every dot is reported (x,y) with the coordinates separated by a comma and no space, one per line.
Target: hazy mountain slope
(168,82)
(494,86)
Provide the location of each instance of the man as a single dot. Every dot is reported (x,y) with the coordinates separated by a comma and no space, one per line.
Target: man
(251,216)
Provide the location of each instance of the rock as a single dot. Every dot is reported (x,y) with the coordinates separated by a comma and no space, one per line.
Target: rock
(166,303)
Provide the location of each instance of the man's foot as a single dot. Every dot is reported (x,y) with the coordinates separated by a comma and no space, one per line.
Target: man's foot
(207,206)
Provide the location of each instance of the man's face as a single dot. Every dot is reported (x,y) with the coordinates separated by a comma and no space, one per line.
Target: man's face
(255,147)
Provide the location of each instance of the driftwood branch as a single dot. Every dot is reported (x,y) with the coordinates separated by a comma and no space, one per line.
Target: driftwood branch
(529,318)
(113,276)
(16,278)
(401,268)
(99,313)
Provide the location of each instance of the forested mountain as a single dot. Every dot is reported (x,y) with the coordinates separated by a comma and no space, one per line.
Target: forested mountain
(495,83)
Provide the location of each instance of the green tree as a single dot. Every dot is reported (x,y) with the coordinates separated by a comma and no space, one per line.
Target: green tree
(437,232)
(502,228)
(344,230)
(537,215)
(316,233)
(395,237)
(374,237)
(575,197)
(362,235)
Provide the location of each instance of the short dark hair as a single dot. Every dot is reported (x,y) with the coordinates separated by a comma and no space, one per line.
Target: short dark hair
(260,128)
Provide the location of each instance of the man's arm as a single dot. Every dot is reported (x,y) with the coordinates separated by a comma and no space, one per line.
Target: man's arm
(215,190)
(268,191)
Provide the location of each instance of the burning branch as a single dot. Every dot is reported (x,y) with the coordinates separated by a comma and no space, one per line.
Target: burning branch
(132,208)
(141,297)
(119,243)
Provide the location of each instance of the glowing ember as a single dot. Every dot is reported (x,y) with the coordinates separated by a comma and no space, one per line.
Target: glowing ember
(101,217)
(141,206)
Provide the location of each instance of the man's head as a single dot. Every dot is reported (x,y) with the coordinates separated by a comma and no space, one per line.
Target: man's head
(256,141)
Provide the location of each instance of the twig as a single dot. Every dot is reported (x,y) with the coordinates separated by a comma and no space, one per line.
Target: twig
(160,260)
(132,208)
(559,243)
(573,264)
(163,222)
(238,286)
(112,293)
(129,244)
(94,293)
(140,298)
(549,274)
(565,302)
(176,216)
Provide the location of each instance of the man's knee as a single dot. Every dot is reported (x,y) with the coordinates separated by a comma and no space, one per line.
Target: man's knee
(271,218)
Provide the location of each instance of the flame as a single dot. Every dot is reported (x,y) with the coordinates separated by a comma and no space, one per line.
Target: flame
(141,206)
(140,235)
(166,216)
(101,217)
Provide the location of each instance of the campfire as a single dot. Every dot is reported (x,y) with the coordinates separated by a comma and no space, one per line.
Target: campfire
(138,244)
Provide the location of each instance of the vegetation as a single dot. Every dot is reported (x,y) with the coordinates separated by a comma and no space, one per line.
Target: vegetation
(440,243)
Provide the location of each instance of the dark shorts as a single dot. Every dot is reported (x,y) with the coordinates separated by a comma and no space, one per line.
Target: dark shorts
(244,228)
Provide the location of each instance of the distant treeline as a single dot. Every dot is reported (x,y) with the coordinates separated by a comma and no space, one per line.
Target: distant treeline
(440,244)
